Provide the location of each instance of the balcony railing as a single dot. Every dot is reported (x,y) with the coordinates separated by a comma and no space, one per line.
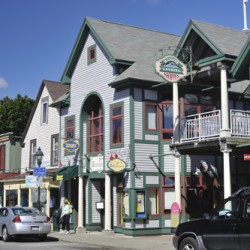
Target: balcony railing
(240,123)
(206,126)
(201,126)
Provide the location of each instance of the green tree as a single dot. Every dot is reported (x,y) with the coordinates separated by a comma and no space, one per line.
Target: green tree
(14,114)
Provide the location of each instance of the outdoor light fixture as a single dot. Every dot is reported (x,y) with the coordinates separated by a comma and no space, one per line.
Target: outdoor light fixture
(39,158)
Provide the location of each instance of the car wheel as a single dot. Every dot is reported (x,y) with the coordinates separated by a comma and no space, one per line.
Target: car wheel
(42,237)
(189,243)
(5,234)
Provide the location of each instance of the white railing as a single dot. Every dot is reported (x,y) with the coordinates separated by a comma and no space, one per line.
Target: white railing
(240,123)
(201,126)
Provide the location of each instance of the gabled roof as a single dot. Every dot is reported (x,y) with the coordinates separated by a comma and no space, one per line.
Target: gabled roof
(240,68)
(55,89)
(219,43)
(125,45)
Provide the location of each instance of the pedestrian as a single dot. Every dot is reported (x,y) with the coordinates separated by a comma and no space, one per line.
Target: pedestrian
(65,217)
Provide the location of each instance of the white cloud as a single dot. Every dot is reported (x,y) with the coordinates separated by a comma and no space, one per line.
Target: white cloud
(3,83)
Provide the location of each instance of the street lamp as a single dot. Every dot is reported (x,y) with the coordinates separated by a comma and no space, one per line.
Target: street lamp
(39,158)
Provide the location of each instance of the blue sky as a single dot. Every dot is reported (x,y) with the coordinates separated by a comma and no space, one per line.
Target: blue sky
(37,36)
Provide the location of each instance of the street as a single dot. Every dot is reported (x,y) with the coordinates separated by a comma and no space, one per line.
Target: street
(51,244)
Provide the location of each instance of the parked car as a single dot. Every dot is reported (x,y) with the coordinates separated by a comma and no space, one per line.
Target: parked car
(17,221)
(227,227)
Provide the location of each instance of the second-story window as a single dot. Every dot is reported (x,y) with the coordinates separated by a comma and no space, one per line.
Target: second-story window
(32,153)
(44,110)
(70,128)
(96,126)
(2,157)
(167,120)
(117,124)
(151,116)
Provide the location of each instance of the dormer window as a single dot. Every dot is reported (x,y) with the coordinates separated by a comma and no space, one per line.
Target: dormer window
(91,54)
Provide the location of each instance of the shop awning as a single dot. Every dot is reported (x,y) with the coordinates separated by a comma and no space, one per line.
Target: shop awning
(66,173)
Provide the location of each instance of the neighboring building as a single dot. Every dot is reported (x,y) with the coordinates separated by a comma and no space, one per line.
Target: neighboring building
(42,130)
(10,158)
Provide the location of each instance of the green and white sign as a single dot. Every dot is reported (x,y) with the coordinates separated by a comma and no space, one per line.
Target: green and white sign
(171,68)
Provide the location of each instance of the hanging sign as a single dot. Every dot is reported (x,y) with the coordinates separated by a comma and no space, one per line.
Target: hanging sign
(171,68)
(117,165)
(71,146)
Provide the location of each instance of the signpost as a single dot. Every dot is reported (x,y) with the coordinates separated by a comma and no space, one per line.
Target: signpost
(39,171)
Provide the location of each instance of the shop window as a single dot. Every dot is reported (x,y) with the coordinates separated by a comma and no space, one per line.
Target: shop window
(123,210)
(140,204)
(54,149)
(2,157)
(35,198)
(25,197)
(117,124)
(168,193)
(153,201)
(91,54)
(44,111)
(11,197)
(96,126)
(32,153)
(151,116)
(70,128)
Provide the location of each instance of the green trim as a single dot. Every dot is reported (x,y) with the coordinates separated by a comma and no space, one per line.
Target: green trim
(191,26)
(213,59)
(77,49)
(121,145)
(93,60)
(241,61)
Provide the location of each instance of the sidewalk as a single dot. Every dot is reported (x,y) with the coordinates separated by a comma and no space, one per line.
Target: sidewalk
(118,241)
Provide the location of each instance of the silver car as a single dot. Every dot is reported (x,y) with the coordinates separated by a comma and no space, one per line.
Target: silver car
(18,221)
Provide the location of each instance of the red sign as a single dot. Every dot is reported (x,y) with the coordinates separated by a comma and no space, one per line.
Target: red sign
(246,157)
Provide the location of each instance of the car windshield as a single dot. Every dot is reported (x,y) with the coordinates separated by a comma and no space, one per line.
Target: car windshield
(19,211)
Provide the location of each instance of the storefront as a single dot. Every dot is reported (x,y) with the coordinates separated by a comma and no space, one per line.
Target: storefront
(16,192)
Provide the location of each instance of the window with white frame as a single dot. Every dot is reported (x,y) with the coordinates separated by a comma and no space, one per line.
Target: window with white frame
(44,111)
(151,116)
(32,153)
(54,149)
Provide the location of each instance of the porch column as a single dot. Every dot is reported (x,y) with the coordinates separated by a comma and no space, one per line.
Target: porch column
(107,216)
(226,168)
(175,113)
(80,202)
(176,140)
(225,130)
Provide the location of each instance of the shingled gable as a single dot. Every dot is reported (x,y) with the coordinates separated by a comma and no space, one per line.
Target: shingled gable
(124,45)
(214,42)
(55,89)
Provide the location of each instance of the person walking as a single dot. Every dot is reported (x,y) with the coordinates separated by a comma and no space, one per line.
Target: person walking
(65,217)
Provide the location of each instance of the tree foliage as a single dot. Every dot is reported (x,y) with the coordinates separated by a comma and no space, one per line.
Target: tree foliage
(14,114)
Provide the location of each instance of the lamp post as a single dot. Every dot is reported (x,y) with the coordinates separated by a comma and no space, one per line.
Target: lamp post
(39,158)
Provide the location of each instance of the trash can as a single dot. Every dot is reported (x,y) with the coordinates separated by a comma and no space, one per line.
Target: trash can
(56,219)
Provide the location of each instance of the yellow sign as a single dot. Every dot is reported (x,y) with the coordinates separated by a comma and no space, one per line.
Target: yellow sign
(117,165)
(59,177)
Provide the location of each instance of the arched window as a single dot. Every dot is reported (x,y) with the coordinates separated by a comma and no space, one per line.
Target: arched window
(95,122)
